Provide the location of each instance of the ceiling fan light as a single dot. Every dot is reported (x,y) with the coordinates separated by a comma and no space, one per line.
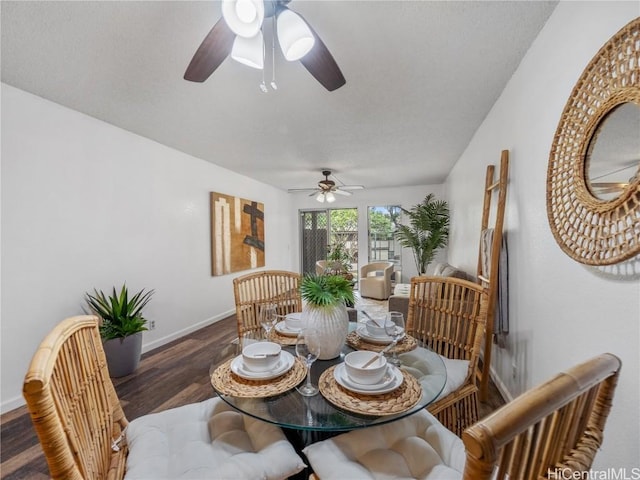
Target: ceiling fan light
(249,51)
(294,35)
(320,197)
(246,11)
(244,17)
(330,197)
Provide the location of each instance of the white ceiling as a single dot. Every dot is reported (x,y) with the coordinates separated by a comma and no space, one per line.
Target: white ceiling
(421,77)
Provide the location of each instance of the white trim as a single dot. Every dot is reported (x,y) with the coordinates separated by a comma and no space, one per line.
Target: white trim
(181,333)
(502,388)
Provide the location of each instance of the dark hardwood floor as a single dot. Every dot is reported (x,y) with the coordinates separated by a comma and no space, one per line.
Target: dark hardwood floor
(170,376)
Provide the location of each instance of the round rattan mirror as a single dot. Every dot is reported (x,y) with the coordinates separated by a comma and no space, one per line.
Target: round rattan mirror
(590,228)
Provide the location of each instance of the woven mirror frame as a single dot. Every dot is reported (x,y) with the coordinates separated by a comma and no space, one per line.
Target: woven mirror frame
(588,229)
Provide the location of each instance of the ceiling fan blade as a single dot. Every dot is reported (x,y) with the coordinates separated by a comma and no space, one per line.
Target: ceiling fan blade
(341,192)
(298,190)
(215,47)
(320,63)
(351,187)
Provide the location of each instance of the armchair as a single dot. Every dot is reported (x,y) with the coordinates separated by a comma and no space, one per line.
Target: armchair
(375,280)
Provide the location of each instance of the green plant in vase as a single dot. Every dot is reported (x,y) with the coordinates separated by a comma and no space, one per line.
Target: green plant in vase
(427,231)
(121,326)
(325,299)
(326,290)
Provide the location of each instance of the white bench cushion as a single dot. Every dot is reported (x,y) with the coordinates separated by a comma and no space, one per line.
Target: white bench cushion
(417,447)
(207,440)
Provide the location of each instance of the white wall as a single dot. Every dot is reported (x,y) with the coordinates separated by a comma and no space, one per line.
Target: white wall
(86,204)
(405,197)
(561,312)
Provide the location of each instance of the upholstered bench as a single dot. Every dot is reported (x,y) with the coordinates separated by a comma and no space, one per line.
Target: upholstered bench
(399,301)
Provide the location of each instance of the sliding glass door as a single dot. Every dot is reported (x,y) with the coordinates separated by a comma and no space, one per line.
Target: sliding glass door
(322,229)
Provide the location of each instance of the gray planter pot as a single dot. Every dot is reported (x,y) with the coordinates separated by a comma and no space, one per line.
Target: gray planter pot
(123,354)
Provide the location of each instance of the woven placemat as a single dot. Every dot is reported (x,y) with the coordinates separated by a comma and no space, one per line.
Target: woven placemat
(228,383)
(400,400)
(277,337)
(407,344)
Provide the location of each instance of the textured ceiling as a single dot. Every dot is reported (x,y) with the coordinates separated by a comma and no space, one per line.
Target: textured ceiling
(421,77)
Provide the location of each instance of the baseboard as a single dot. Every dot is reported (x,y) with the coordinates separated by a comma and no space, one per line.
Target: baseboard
(185,331)
(502,388)
(18,401)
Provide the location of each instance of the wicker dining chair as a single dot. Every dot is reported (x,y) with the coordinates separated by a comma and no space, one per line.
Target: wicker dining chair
(551,431)
(254,290)
(449,315)
(86,436)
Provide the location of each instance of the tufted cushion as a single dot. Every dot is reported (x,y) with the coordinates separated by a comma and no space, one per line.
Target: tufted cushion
(446,270)
(416,362)
(416,447)
(207,440)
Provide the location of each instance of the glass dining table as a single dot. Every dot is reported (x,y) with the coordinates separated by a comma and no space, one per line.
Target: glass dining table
(314,418)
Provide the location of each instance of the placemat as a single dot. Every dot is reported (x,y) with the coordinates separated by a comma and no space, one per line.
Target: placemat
(407,344)
(277,337)
(228,383)
(400,400)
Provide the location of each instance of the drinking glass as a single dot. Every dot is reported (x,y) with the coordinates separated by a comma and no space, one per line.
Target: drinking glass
(394,327)
(268,317)
(308,350)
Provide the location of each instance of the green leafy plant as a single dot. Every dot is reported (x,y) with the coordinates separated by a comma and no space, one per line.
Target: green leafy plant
(427,231)
(337,254)
(121,316)
(326,290)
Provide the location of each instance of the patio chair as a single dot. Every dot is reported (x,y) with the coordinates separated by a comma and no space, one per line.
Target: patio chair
(85,434)
(254,290)
(551,431)
(448,315)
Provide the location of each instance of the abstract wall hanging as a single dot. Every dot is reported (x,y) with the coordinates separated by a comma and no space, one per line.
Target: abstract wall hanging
(237,234)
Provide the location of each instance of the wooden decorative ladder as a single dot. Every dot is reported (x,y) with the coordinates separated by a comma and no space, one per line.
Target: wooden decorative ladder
(491,283)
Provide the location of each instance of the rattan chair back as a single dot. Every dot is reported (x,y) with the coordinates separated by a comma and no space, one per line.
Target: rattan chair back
(551,431)
(448,315)
(254,290)
(73,404)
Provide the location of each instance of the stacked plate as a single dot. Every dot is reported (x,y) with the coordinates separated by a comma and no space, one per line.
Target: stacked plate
(391,380)
(290,326)
(283,366)
(367,336)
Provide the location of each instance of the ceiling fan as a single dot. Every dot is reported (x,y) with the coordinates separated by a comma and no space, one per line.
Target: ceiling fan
(239,33)
(327,188)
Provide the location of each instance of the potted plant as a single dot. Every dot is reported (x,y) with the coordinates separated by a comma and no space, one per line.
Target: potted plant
(325,299)
(427,231)
(121,327)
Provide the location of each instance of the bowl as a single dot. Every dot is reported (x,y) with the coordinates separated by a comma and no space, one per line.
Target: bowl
(293,321)
(370,375)
(375,330)
(261,356)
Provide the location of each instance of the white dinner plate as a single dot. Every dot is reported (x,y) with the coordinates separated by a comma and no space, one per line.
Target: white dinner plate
(283,329)
(282,367)
(392,380)
(382,340)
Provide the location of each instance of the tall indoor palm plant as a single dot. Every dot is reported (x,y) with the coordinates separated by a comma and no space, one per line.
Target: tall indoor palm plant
(427,231)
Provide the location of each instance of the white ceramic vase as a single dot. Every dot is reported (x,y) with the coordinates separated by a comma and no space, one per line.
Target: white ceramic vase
(333,324)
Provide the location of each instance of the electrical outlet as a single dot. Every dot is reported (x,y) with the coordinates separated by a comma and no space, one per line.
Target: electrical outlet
(152,324)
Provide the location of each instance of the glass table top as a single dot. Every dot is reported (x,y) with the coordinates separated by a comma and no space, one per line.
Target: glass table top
(294,411)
